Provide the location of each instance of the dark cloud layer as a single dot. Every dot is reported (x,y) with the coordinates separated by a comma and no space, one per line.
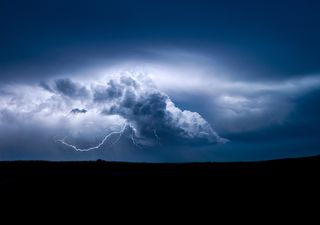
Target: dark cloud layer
(262,39)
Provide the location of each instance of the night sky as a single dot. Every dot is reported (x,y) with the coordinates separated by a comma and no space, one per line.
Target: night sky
(159,81)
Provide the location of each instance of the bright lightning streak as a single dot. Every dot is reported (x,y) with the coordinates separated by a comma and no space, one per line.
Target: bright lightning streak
(119,137)
(132,137)
(62,141)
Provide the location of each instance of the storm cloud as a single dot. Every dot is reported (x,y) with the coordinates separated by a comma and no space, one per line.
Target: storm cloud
(150,111)
(85,114)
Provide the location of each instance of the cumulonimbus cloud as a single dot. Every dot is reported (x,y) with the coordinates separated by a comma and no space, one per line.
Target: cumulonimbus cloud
(87,113)
(150,111)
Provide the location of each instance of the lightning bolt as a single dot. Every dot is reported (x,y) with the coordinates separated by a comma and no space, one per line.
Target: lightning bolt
(120,135)
(133,134)
(62,141)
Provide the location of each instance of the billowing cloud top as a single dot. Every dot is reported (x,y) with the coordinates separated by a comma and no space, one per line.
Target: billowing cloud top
(150,111)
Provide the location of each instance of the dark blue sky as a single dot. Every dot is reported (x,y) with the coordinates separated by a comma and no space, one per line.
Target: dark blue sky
(278,36)
(262,43)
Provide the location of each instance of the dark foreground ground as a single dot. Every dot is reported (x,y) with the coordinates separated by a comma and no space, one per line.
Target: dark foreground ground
(161,188)
(99,173)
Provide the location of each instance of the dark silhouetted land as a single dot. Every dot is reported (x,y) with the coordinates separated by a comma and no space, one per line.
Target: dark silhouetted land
(105,174)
